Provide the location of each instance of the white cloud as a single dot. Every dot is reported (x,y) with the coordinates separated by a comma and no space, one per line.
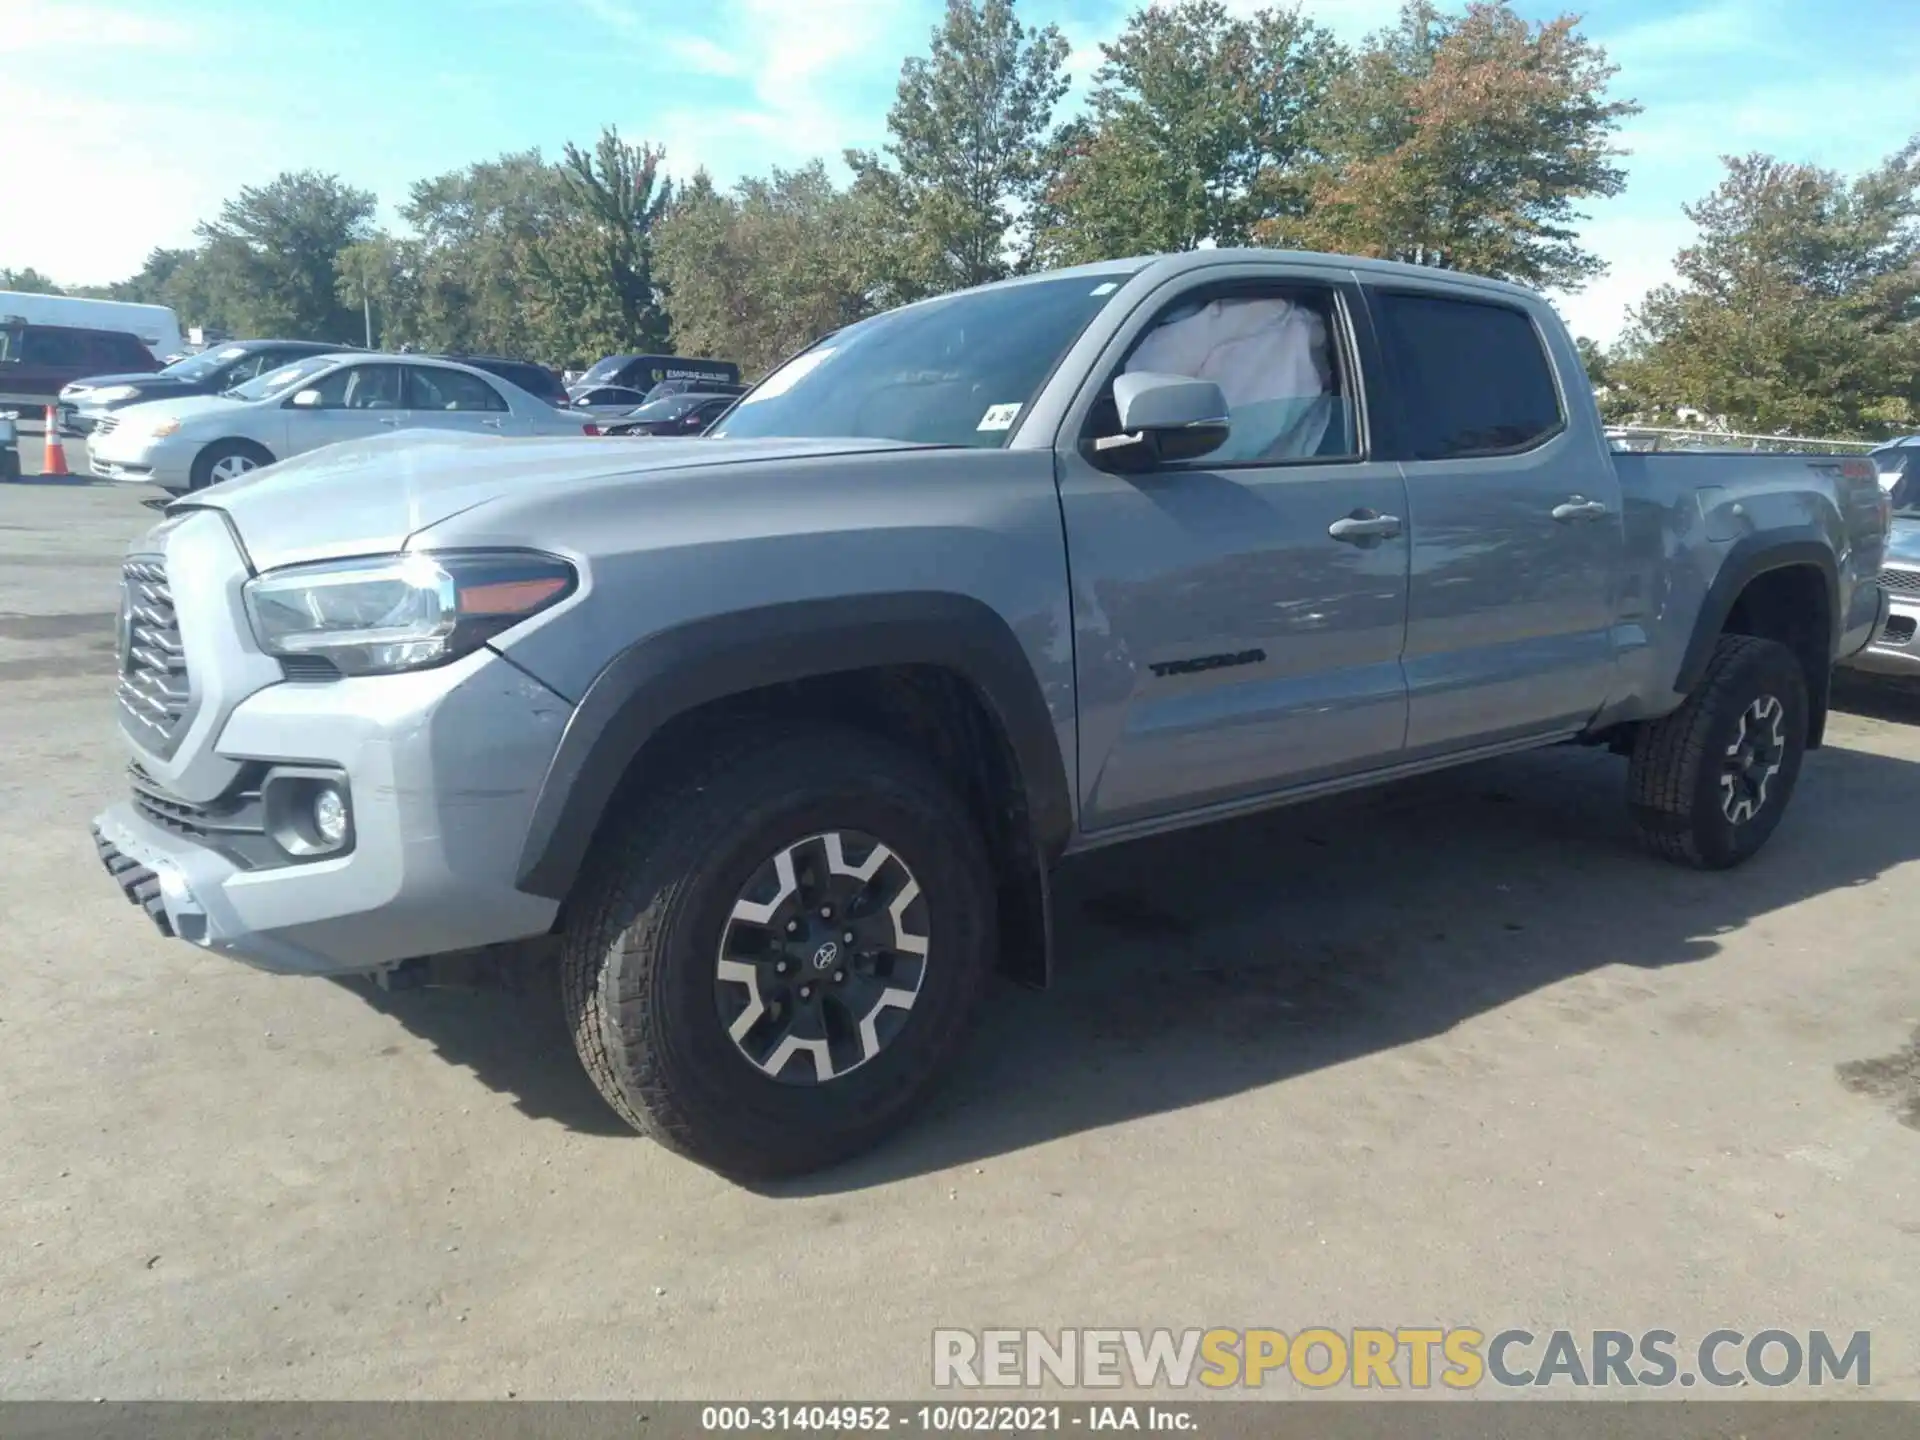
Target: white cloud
(39,25)
(817,78)
(704,56)
(1639,251)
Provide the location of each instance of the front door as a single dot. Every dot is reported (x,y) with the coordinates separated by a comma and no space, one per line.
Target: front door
(1238,618)
(355,401)
(1516,524)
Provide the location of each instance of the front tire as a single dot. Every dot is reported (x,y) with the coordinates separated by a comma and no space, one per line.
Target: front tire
(1709,782)
(226,460)
(706,1008)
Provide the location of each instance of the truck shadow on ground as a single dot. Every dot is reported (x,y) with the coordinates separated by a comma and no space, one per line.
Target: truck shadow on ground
(1202,965)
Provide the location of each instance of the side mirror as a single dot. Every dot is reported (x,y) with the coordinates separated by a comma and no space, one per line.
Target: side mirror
(1166,417)
(306,399)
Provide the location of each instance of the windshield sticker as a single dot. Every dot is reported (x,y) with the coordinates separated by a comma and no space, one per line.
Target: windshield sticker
(999,417)
(1106,289)
(788,375)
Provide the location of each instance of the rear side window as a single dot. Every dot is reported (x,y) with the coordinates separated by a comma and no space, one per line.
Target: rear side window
(122,352)
(437,389)
(1474,378)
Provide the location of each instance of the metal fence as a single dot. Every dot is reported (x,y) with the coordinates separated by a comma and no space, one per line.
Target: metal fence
(1645,438)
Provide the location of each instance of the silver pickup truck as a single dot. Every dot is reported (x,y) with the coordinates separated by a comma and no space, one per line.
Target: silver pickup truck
(776,734)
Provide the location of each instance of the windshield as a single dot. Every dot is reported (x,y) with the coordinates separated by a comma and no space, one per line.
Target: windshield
(668,407)
(9,343)
(198,367)
(954,371)
(278,382)
(605,369)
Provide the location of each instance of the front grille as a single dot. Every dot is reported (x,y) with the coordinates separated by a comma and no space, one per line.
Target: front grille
(1901,581)
(106,425)
(234,824)
(154,686)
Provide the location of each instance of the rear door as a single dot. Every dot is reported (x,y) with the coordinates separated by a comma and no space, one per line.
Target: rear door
(1515,522)
(442,398)
(1238,618)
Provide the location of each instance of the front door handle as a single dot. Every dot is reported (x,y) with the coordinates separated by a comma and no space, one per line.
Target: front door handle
(1579,508)
(389,419)
(491,424)
(1363,526)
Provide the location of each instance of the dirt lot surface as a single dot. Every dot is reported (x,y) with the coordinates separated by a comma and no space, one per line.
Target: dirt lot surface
(1448,1053)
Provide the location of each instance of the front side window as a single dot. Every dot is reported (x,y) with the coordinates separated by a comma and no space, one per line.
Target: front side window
(1473,377)
(455,390)
(1276,356)
(363,387)
(959,370)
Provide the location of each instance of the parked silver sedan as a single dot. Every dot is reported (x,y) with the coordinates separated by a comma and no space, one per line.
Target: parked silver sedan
(183,445)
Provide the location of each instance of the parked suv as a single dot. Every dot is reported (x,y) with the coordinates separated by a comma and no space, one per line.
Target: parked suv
(778,734)
(38,361)
(211,372)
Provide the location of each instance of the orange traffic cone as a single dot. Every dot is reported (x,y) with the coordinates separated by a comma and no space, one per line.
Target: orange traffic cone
(55,460)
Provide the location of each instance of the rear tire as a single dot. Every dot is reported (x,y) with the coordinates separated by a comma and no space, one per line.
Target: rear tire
(226,460)
(1708,783)
(655,976)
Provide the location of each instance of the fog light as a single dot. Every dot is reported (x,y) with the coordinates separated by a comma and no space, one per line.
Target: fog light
(330,816)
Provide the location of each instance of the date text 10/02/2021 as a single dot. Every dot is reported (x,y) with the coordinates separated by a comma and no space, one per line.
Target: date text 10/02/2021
(946,1419)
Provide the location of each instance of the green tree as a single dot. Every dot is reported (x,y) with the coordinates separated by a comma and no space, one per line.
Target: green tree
(591,289)
(1797,308)
(272,253)
(1466,141)
(28,281)
(756,274)
(465,270)
(1197,130)
(970,132)
(375,278)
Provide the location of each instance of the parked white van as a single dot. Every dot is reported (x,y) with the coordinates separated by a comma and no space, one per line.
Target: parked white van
(156,326)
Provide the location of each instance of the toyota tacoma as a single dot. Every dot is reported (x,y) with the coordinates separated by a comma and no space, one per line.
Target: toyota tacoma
(776,734)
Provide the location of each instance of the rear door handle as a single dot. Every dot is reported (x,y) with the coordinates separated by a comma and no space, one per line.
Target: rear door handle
(389,419)
(491,424)
(1579,508)
(1365,525)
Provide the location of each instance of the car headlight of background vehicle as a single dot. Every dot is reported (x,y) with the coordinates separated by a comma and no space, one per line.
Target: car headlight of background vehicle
(392,613)
(111,394)
(160,429)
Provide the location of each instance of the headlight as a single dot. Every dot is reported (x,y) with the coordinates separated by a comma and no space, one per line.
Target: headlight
(111,394)
(402,612)
(163,428)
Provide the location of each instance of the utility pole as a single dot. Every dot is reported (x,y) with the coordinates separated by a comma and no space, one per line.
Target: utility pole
(366,313)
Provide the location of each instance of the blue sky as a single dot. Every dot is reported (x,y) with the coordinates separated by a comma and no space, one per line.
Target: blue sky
(143,114)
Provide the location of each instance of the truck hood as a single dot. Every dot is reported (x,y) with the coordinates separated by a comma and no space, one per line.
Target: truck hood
(366,497)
